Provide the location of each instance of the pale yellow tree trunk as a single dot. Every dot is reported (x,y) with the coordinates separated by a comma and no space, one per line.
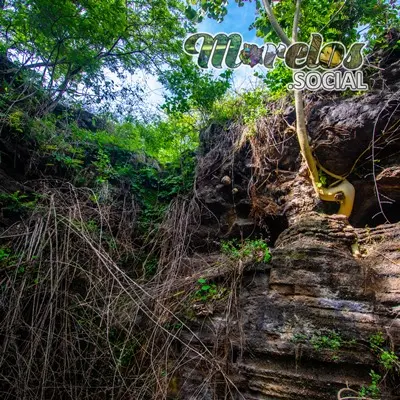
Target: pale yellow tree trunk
(342,193)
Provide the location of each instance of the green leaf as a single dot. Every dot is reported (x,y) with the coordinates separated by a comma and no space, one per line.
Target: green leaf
(190,13)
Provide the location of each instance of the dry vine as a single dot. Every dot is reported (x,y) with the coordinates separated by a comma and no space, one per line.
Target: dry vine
(76,324)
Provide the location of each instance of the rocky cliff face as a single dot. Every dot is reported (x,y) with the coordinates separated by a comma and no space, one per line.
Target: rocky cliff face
(357,137)
(305,319)
(302,324)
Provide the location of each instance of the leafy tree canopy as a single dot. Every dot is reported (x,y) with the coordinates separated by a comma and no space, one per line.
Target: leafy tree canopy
(335,20)
(74,44)
(189,88)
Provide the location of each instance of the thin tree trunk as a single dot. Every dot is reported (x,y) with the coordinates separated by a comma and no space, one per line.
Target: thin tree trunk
(275,24)
(344,192)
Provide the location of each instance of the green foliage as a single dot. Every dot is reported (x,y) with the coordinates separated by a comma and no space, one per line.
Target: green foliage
(167,141)
(156,160)
(323,179)
(299,337)
(17,202)
(373,390)
(104,169)
(73,43)
(380,17)
(189,88)
(97,157)
(246,107)
(254,106)
(163,140)
(16,121)
(68,161)
(208,291)
(4,253)
(11,260)
(327,341)
(216,9)
(330,340)
(336,21)
(155,189)
(92,226)
(386,357)
(255,250)
(376,341)
(388,361)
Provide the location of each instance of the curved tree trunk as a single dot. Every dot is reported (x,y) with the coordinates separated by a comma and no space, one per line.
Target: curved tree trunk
(342,193)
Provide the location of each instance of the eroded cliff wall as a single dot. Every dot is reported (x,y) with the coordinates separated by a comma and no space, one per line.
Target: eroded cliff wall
(300,327)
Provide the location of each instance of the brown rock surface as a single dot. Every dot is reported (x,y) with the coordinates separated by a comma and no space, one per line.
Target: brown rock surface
(300,327)
(314,286)
(354,136)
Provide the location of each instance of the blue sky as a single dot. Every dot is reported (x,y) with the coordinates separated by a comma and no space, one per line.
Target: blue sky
(238,20)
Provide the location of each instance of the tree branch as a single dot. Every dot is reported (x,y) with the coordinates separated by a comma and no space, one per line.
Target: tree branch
(108,52)
(128,53)
(344,192)
(295,32)
(275,24)
(46,64)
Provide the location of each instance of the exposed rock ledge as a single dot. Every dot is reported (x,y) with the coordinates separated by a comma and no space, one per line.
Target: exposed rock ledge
(315,284)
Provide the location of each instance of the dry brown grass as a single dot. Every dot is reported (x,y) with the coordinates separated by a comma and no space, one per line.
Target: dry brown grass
(77,324)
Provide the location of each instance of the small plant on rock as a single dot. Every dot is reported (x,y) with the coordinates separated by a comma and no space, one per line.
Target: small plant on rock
(208,291)
(387,358)
(327,341)
(371,391)
(251,250)
(388,361)
(330,340)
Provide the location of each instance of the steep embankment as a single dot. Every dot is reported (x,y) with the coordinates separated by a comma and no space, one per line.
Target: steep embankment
(305,325)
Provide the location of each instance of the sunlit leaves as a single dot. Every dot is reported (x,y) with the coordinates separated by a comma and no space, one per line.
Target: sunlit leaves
(72,42)
(190,88)
(335,20)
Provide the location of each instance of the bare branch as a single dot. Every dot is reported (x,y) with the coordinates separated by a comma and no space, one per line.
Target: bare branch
(295,32)
(275,24)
